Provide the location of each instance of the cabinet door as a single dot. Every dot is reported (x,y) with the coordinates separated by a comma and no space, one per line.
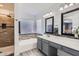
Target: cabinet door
(62,53)
(55,45)
(45,48)
(46,41)
(52,51)
(39,44)
(71,51)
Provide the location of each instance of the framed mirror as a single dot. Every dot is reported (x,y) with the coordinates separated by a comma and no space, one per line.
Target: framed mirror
(49,25)
(69,21)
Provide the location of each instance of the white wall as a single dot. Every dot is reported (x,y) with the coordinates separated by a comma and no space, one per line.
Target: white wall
(16,34)
(39,26)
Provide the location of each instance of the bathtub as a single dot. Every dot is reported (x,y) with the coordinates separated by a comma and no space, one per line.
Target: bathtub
(5,51)
(25,45)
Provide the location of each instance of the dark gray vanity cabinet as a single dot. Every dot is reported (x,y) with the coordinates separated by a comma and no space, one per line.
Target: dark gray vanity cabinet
(51,49)
(42,45)
(71,51)
(45,47)
(48,49)
(39,43)
(55,45)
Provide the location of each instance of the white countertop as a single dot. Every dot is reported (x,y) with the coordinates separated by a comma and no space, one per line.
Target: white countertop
(68,42)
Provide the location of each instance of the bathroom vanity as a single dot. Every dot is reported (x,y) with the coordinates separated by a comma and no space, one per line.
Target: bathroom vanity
(58,46)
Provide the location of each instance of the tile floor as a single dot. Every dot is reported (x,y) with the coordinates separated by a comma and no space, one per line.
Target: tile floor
(33,52)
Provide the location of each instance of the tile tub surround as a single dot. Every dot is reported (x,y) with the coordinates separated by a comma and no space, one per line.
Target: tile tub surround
(26,36)
(68,42)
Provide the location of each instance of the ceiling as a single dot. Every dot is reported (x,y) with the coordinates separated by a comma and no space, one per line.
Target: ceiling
(32,10)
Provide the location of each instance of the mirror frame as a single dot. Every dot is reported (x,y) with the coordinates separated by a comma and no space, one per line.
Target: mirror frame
(52,24)
(62,14)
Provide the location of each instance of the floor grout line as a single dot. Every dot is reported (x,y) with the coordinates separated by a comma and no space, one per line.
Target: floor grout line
(33,52)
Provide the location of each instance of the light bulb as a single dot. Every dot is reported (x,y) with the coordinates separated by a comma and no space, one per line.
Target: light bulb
(61,8)
(66,6)
(50,13)
(46,15)
(71,4)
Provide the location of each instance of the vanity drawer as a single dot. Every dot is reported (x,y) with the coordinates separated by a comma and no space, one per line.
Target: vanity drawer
(62,53)
(39,38)
(45,48)
(39,44)
(44,40)
(71,51)
(55,45)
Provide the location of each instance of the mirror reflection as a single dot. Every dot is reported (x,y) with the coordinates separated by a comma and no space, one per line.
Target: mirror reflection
(70,22)
(49,24)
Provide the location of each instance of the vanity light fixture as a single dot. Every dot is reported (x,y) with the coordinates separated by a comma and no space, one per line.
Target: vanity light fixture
(46,15)
(50,13)
(61,8)
(66,6)
(71,4)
